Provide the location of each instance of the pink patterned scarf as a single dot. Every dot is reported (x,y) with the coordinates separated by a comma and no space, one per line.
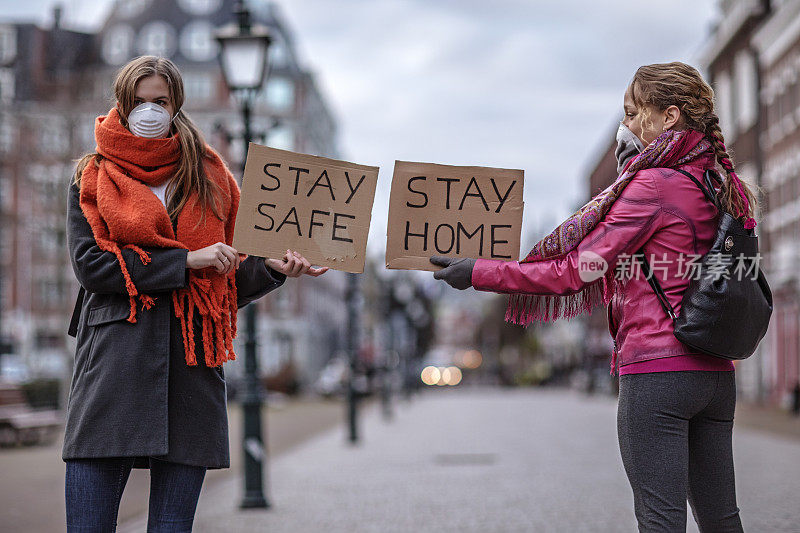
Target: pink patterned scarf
(669,150)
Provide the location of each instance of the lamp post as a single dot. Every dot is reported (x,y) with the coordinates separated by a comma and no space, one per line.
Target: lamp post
(352,351)
(243,59)
(2,225)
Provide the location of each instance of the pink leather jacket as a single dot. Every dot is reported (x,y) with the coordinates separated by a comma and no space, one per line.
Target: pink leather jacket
(660,209)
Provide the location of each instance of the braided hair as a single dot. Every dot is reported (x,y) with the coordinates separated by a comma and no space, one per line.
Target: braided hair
(665,84)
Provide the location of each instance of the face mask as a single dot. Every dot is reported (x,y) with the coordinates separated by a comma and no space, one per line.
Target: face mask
(628,146)
(149,120)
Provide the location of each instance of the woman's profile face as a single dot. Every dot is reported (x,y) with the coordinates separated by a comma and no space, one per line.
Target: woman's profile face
(154,89)
(654,122)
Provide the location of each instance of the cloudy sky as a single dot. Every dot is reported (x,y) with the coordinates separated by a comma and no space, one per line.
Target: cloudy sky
(528,84)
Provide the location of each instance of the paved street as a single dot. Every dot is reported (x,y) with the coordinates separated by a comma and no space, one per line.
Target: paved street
(32,480)
(486,461)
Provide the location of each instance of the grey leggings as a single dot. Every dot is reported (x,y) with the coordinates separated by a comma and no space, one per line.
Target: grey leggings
(675,432)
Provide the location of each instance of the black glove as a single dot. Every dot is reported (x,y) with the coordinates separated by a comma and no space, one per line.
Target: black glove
(456,272)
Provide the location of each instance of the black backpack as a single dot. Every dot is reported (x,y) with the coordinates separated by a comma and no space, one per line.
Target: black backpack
(724,312)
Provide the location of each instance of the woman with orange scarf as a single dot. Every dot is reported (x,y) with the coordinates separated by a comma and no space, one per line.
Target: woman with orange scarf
(150,225)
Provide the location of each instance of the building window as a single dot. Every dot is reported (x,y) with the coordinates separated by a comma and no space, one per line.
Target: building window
(51,189)
(283,301)
(199,7)
(7,202)
(8,44)
(157,38)
(281,137)
(795,194)
(771,111)
(785,109)
(199,87)
(793,102)
(783,198)
(48,244)
(130,8)
(746,72)
(51,293)
(279,94)
(118,44)
(197,42)
(8,133)
(6,84)
(278,53)
(724,106)
(47,340)
(102,90)
(85,131)
(54,136)
(5,289)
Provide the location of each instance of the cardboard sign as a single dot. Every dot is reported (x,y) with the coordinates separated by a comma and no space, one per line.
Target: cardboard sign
(316,206)
(453,211)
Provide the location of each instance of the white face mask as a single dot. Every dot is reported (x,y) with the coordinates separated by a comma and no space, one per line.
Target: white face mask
(628,146)
(149,120)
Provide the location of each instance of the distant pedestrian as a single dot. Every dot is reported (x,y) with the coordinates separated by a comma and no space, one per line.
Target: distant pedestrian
(150,225)
(676,406)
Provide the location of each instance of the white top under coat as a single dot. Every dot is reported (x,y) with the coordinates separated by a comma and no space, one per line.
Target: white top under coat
(160,191)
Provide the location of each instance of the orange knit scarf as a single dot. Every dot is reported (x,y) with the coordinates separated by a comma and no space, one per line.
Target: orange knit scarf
(124,213)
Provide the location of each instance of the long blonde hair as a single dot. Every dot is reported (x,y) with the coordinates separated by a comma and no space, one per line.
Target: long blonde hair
(665,84)
(190,175)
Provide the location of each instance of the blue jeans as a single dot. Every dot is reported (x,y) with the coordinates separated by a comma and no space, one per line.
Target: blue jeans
(93,489)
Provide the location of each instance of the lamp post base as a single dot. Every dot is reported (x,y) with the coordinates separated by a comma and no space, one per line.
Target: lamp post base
(254,501)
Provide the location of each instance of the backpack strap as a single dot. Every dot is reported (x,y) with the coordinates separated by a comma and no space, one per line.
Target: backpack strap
(76,313)
(648,273)
(711,196)
(708,188)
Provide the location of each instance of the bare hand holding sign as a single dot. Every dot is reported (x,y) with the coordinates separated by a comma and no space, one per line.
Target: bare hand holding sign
(316,206)
(452,211)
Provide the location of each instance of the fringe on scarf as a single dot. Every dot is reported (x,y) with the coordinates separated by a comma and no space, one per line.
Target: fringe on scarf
(523,309)
(218,319)
(218,315)
(146,300)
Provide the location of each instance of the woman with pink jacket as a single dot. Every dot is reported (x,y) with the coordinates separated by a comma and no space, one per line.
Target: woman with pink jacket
(676,406)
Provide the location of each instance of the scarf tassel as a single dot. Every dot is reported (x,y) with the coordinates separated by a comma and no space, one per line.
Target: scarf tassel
(143,255)
(133,292)
(526,308)
(218,320)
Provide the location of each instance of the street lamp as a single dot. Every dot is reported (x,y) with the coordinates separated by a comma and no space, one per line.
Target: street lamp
(243,52)
(243,59)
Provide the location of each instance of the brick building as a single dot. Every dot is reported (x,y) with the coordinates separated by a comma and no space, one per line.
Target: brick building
(55,81)
(777,43)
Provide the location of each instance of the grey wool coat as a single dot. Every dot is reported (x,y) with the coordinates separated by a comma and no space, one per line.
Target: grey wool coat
(132,393)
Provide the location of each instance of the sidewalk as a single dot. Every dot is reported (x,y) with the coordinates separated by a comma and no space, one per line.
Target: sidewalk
(768,419)
(485,460)
(286,424)
(32,478)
